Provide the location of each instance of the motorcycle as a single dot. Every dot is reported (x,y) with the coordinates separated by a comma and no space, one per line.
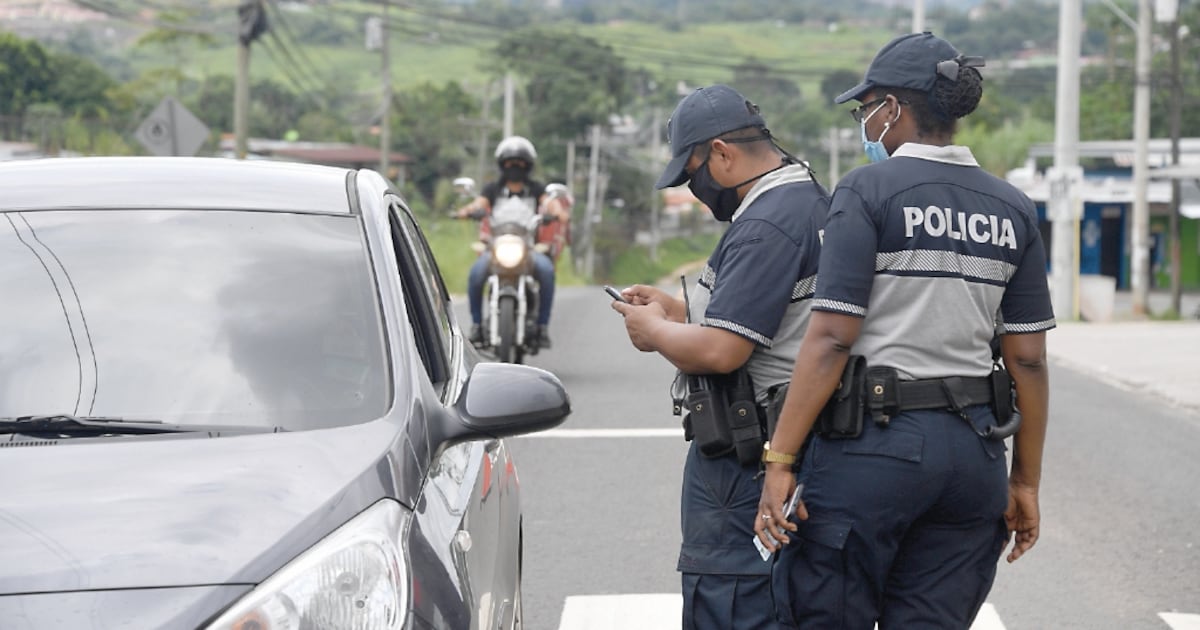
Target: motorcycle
(511,294)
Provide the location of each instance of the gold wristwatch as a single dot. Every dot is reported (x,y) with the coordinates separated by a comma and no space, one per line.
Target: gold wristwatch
(775,457)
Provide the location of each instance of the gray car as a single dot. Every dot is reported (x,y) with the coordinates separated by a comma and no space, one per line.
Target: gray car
(233,395)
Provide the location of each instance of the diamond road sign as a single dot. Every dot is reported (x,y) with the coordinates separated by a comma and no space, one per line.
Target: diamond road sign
(171,130)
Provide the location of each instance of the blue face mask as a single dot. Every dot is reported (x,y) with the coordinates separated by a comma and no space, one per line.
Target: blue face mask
(875,150)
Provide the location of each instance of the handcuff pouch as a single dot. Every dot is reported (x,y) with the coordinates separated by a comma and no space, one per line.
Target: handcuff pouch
(842,416)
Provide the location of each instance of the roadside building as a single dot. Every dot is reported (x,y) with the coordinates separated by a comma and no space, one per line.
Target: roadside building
(1107,194)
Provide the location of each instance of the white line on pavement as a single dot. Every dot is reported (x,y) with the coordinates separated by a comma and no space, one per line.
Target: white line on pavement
(657,611)
(1180,621)
(987,619)
(662,611)
(607,433)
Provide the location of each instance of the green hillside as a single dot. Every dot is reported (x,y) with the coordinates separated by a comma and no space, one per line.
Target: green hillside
(700,54)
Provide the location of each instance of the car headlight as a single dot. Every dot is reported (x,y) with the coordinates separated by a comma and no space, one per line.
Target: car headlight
(510,250)
(357,577)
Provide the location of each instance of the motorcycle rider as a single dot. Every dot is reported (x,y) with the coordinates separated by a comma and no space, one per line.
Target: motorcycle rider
(557,234)
(515,157)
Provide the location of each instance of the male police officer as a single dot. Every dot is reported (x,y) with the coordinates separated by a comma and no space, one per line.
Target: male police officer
(751,305)
(904,511)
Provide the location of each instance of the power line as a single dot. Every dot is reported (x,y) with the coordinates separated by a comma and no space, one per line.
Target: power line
(469,31)
(130,16)
(278,18)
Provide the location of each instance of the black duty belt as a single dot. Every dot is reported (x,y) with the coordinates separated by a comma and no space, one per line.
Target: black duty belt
(887,395)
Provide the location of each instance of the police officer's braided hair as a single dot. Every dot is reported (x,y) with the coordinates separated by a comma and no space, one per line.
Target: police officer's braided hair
(938,110)
(955,99)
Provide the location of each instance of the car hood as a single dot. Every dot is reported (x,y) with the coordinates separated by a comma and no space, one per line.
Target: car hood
(111,513)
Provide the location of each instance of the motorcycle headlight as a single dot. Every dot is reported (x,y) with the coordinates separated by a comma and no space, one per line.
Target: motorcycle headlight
(510,250)
(357,577)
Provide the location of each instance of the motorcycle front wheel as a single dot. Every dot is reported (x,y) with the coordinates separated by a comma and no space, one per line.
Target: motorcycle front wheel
(508,351)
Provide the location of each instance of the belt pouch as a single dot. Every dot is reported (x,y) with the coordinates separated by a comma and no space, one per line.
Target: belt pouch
(1008,418)
(1002,395)
(842,416)
(744,424)
(775,397)
(706,408)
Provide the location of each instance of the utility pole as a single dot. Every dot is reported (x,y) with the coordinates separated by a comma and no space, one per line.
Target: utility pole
(571,166)
(385,118)
(656,195)
(1176,122)
(484,128)
(918,16)
(241,99)
(1139,266)
(508,104)
(835,152)
(589,227)
(252,23)
(1063,207)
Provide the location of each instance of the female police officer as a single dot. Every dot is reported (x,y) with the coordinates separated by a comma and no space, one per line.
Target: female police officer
(926,257)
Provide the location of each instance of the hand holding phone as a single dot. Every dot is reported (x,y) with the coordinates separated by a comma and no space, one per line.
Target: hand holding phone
(616,295)
(788,510)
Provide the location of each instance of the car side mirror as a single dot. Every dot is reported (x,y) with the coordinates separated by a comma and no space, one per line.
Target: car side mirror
(504,399)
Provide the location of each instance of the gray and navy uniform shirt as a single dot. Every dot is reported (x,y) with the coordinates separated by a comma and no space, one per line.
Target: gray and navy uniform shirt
(759,281)
(938,255)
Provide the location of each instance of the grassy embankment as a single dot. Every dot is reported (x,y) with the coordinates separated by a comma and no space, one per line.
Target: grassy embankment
(451,245)
(801,53)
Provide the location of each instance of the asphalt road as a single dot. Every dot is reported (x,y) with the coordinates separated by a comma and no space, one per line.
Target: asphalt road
(1119,547)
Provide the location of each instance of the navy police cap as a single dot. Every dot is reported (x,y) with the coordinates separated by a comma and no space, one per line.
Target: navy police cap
(911,61)
(703,115)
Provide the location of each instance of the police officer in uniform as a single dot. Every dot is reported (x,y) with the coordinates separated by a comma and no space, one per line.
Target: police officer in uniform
(749,308)
(926,257)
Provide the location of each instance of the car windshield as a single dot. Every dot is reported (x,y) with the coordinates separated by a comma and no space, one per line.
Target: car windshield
(190,317)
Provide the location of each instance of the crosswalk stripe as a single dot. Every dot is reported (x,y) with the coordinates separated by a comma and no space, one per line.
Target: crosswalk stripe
(607,433)
(987,619)
(662,611)
(1180,621)
(657,611)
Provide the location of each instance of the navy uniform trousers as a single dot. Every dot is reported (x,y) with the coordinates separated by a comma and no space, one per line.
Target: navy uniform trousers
(726,584)
(906,526)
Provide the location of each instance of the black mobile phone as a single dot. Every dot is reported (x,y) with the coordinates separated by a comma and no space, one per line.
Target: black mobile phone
(616,295)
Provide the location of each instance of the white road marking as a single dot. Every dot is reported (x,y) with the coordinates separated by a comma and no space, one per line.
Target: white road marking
(661,611)
(592,434)
(1180,621)
(987,619)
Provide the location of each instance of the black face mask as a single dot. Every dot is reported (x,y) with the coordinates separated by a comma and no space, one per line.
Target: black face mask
(514,173)
(723,202)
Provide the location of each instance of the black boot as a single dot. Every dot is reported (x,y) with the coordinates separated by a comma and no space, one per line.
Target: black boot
(543,336)
(476,337)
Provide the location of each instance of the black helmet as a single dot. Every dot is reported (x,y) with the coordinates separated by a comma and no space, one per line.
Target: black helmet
(516,147)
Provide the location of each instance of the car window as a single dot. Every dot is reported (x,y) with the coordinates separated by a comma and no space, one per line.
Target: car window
(434,286)
(201,317)
(423,291)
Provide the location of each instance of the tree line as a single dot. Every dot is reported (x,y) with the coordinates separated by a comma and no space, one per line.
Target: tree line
(58,98)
